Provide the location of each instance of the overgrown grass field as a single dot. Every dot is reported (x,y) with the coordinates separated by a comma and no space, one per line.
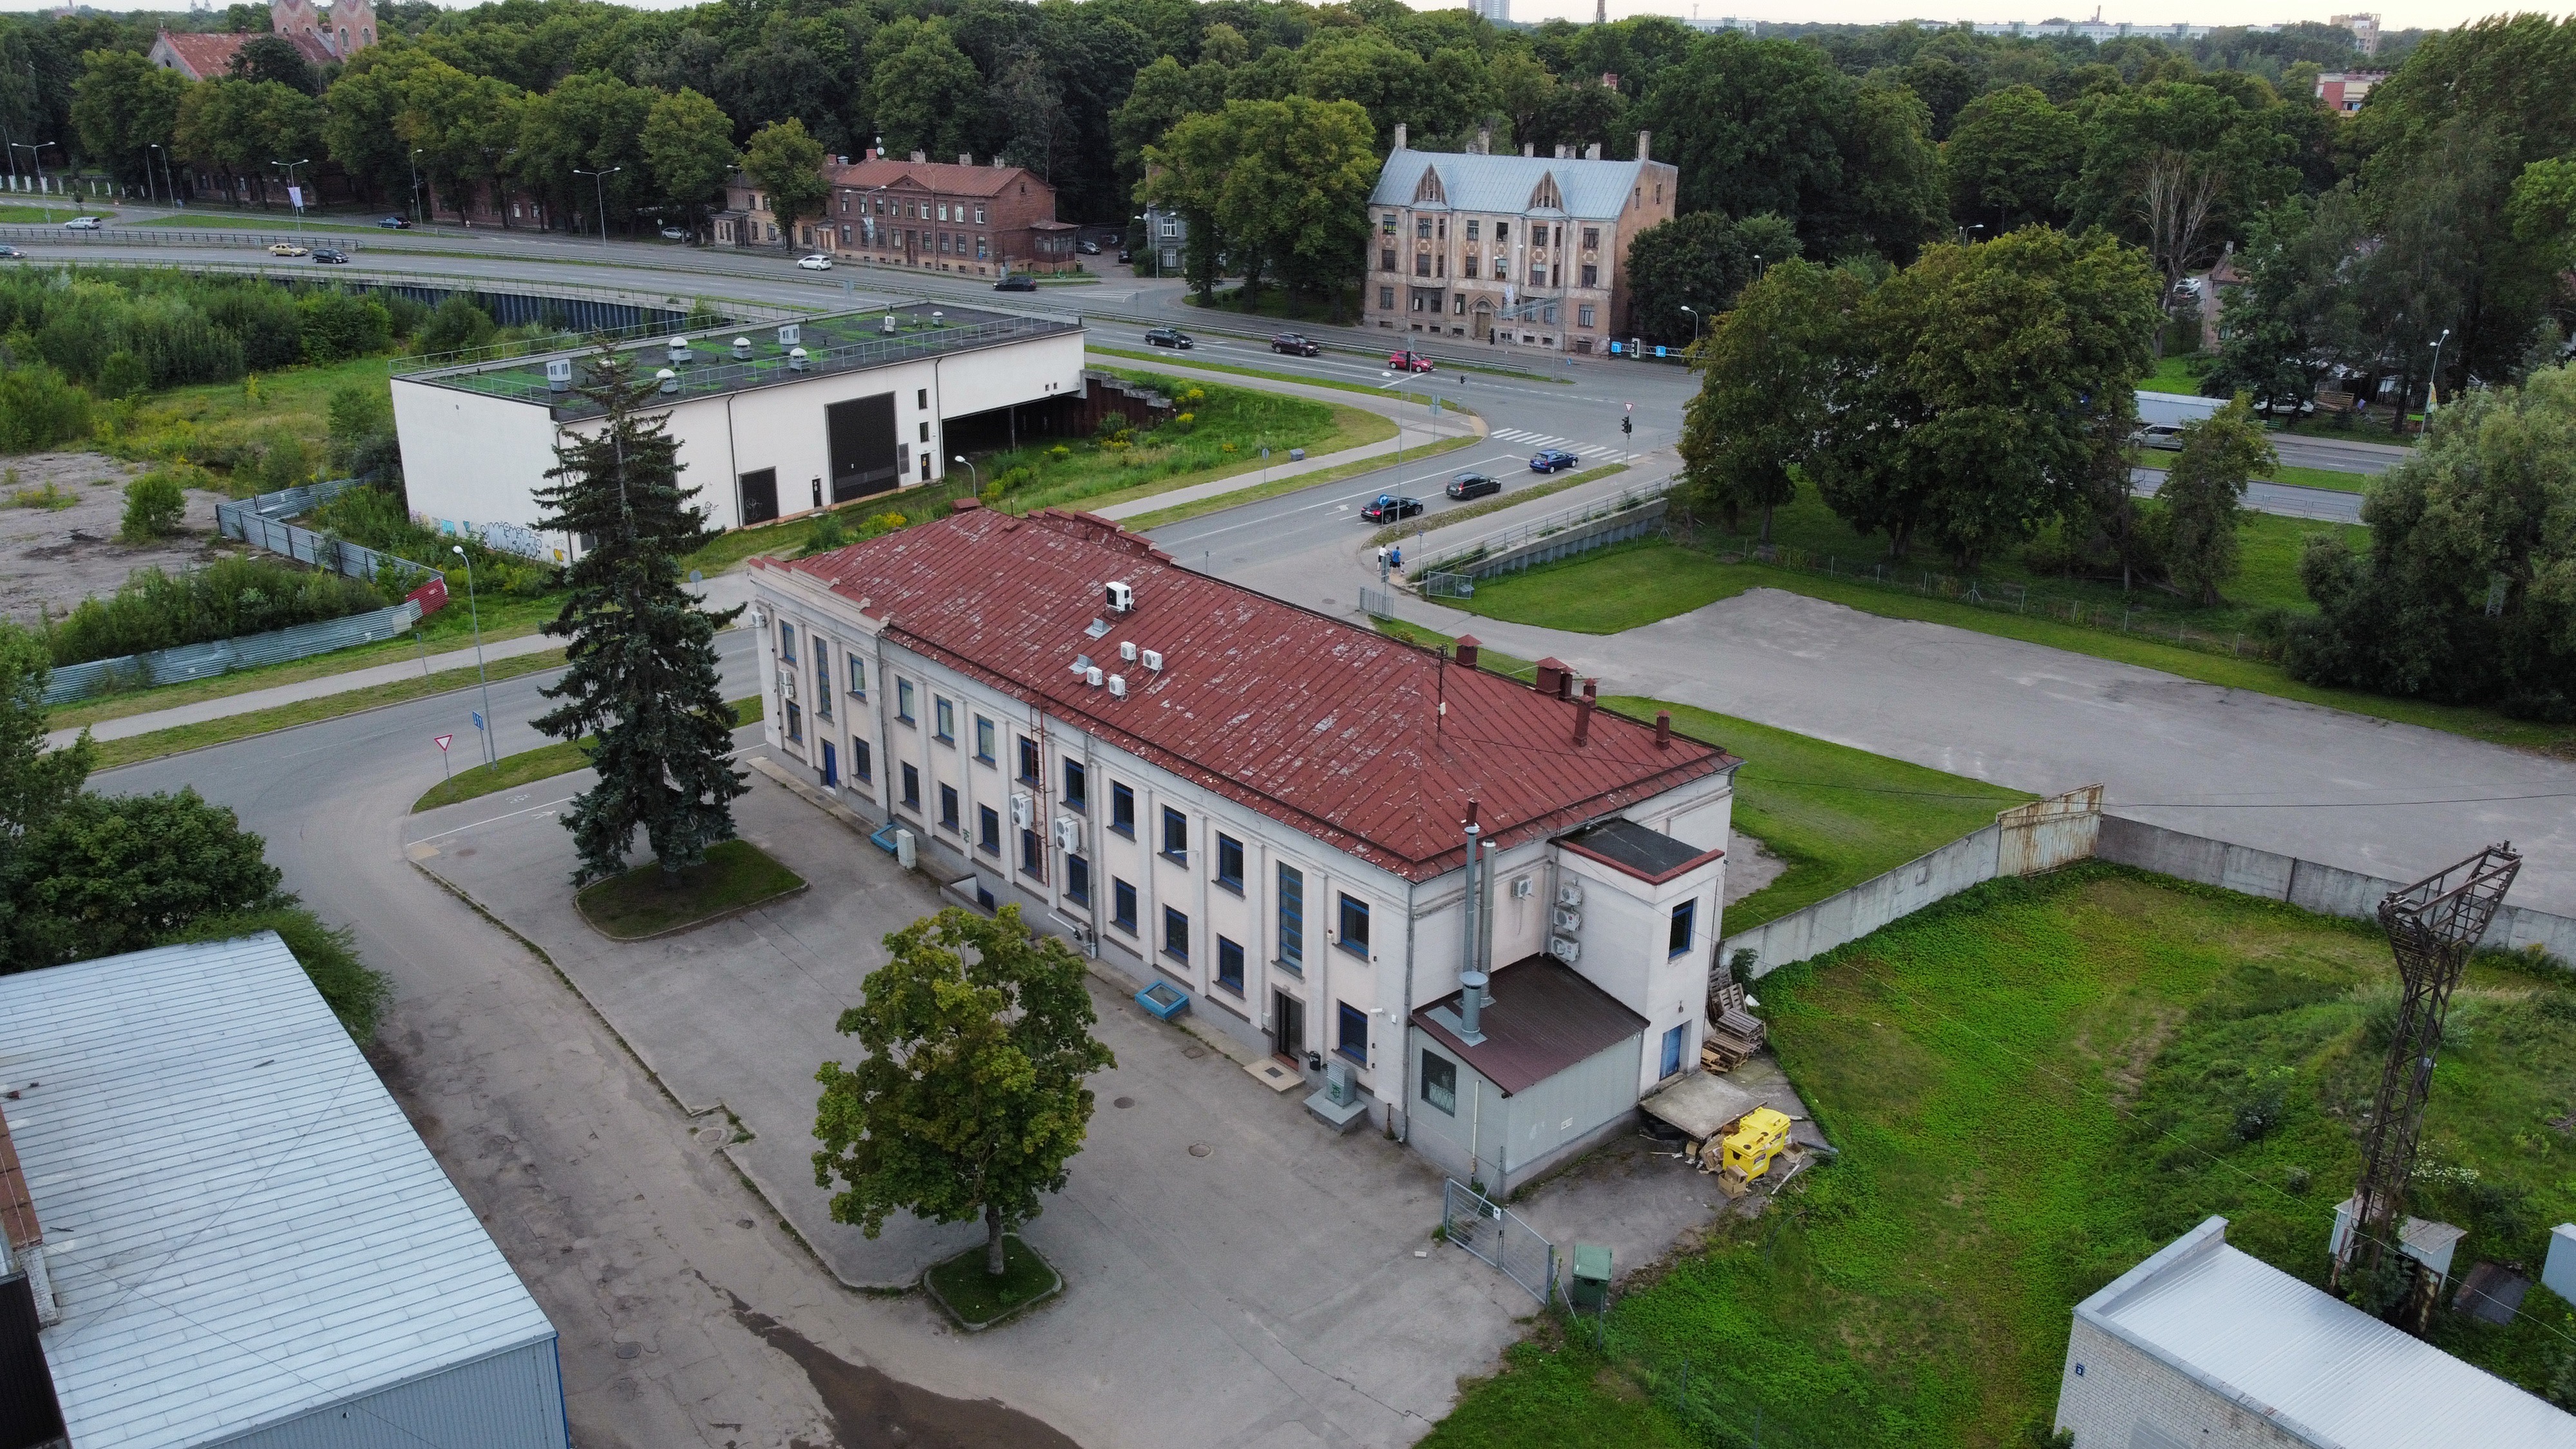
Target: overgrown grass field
(2033,1086)
(211,423)
(1226,430)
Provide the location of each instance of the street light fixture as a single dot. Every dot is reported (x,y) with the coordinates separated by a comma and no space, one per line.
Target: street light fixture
(2433,387)
(414,159)
(36,160)
(971,471)
(491,747)
(1695,320)
(167,184)
(599,184)
(294,195)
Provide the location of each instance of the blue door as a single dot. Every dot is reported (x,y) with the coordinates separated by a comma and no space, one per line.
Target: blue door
(831,765)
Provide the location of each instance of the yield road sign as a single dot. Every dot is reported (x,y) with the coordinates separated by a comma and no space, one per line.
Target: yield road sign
(444,741)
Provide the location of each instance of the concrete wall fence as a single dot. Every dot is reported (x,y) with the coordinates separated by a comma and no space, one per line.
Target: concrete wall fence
(2050,833)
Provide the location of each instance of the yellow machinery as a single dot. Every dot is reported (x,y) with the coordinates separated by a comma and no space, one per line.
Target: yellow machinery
(1762,1134)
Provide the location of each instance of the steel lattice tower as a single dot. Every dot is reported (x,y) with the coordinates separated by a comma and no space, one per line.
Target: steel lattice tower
(2432,927)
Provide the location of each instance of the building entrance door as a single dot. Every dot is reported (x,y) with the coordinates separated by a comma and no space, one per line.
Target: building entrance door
(831,766)
(1287,1026)
(1483,326)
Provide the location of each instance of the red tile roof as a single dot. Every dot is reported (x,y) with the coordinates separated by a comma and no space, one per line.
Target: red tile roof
(1333,729)
(944,177)
(209,56)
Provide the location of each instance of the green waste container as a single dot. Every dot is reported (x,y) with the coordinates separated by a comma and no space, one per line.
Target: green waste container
(1589,1289)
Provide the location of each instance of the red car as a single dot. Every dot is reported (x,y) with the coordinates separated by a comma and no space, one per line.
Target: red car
(1408,361)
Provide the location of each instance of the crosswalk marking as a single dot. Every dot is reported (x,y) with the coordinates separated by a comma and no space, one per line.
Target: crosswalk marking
(1550,440)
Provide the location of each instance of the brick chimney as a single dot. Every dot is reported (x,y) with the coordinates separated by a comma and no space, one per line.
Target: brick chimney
(1583,712)
(1467,647)
(1554,678)
(1645,150)
(965,158)
(1400,131)
(1663,729)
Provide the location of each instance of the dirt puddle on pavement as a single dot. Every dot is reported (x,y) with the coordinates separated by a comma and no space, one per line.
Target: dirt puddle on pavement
(871,1410)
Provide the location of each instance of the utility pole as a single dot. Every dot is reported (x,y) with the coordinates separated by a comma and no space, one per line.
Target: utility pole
(599,182)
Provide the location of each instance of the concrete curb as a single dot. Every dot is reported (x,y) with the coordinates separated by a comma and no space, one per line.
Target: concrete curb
(930,1290)
(801,887)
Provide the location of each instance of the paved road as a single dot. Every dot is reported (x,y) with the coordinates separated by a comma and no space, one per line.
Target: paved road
(2289,500)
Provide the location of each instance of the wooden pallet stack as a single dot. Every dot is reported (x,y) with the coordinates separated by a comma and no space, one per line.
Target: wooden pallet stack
(1733,1032)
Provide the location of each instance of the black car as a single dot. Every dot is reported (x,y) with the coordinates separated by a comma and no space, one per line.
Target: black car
(330,254)
(1474,485)
(1126,256)
(1388,508)
(1295,346)
(1169,337)
(1549,460)
(394,223)
(11,252)
(1021,282)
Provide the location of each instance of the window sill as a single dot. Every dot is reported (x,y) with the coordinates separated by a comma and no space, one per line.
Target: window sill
(1355,1060)
(951,827)
(1124,832)
(1082,901)
(1171,955)
(1182,861)
(1360,954)
(1129,927)
(907,722)
(1293,968)
(986,760)
(1221,883)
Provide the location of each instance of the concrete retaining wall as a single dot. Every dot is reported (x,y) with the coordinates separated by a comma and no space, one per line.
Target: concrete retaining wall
(1837,920)
(1583,537)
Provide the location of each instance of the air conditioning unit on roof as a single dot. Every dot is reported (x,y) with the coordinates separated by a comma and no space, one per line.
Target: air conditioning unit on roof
(1154,660)
(1121,598)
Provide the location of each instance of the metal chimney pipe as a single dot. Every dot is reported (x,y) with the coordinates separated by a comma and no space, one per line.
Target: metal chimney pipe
(1471,1005)
(1485,929)
(1471,982)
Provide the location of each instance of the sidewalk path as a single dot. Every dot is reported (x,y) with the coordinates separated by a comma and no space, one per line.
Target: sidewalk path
(1410,435)
(721,592)
(2343,789)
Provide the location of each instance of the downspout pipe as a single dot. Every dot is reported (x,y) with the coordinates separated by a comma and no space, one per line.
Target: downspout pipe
(1471,980)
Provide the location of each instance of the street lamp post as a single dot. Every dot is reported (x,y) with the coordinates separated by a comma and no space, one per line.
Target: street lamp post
(1695,321)
(36,163)
(491,747)
(1398,381)
(2433,387)
(167,184)
(972,472)
(294,194)
(414,159)
(599,186)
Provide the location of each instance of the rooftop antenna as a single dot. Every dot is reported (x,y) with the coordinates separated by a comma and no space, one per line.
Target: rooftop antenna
(2432,927)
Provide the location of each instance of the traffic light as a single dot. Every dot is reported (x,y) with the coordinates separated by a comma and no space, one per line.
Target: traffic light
(1627,424)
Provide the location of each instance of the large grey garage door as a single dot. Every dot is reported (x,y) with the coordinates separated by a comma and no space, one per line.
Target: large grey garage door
(863,451)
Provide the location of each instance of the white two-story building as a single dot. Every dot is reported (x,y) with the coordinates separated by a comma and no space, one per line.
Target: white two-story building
(1267,809)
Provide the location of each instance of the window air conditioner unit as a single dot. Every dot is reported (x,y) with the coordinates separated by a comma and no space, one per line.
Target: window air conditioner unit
(1565,920)
(1127,651)
(1118,686)
(1121,597)
(786,685)
(1341,1087)
(1154,660)
(1523,889)
(1068,835)
(1569,893)
(1020,810)
(1565,949)
(1092,676)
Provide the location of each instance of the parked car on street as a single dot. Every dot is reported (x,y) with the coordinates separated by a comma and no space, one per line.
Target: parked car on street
(394,223)
(287,249)
(2159,435)
(814,262)
(1091,248)
(675,233)
(1169,337)
(84,223)
(1474,485)
(1126,257)
(1390,507)
(1408,360)
(330,254)
(1294,345)
(1017,282)
(1551,460)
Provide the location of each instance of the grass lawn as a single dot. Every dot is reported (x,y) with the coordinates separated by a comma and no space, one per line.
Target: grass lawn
(1608,590)
(542,763)
(645,901)
(2034,1086)
(134,749)
(978,1298)
(1837,815)
(1232,425)
(2177,372)
(1343,383)
(2328,478)
(21,214)
(206,422)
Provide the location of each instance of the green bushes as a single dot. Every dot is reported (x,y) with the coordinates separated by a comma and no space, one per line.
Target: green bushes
(454,325)
(154,506)
(227,599)
(39,409)
(377,518)
(363,442)
(340,325)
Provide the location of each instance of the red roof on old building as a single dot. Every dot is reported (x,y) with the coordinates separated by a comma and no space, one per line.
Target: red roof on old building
(944,177)
(209,56)
(1335,730)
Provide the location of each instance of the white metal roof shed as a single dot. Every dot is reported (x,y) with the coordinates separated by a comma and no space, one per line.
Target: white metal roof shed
(2313,1366)
(248,1242)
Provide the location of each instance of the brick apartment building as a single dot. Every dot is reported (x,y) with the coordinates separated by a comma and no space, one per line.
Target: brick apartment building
(1524,249)
(978,221)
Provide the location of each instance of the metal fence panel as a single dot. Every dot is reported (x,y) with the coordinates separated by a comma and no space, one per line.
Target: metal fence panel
(1377,603)
(1448,586)
(259,523)
(222,656)
(1498,1235)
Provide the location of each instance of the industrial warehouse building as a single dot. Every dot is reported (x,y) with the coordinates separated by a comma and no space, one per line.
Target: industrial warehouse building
(1261,812)
(771,421)
(2205,1347)
(222,1230)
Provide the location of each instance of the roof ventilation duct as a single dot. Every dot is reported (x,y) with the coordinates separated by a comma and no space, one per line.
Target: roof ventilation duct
(680,351)
(742,348)
(559,374)
(667,380)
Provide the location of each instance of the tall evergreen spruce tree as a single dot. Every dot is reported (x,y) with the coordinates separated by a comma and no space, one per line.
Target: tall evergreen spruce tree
(643,683)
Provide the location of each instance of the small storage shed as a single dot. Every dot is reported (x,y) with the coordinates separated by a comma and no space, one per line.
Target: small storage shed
(1555,1074)
(243,1239)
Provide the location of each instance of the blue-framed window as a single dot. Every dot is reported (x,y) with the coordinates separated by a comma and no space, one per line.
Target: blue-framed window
(1176,934)
(862,764)
(1229,965)
(1674,1041)
(1122,809)
(1355,926)
(822,680)
(988,830)
(983,739)
(1229,863)
(1292,918)
(858,676)
(1029,760)
(1176,835)
(1351,1036)
(1032,854)
(1685,917)
(945,715)
(1077,879)
(903,701)
(1077,785)
(786,641)
(795,721)
(1440,1082)
(912,787)
(1122,905)
(948,806)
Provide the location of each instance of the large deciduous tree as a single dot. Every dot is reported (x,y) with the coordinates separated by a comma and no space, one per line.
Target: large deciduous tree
(2010,153)
(118,873)
(1769,375)
(970,1101)
(1284,184)
(787,165)
(2202,500)
(1696,264)
(924,92)
(36,783)
(122,105)
(642,690)
(689,145)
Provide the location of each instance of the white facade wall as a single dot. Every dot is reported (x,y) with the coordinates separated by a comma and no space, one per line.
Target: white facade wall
(1415,947)
(471,458)
(2115,1395)
(1505,1142)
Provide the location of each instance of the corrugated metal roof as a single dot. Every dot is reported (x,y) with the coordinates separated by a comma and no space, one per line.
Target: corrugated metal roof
(1543,1020)
(240,1223)
(1592,190)
(1333,729)
(2317,1367)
